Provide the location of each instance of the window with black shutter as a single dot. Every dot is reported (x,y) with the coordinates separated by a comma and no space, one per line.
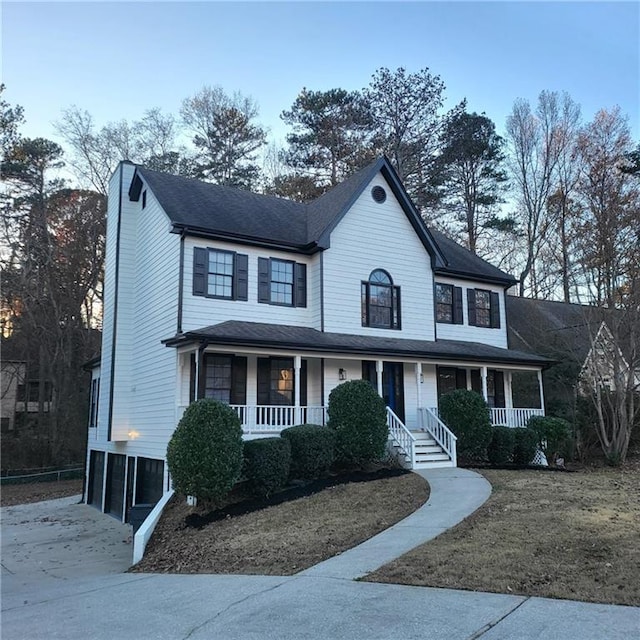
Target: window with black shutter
(276,382)
(282,282)
(223,378)
(220,274)
(448,304)
(483,308)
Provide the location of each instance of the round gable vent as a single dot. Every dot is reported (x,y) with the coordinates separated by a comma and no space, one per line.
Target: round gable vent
(378,194)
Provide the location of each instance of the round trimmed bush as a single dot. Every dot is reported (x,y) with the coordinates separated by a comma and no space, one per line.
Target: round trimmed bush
(554,435)
(358,415)
(467,415)
(500,449)
(204,454)
(266,464)
(312,450)
(526,445)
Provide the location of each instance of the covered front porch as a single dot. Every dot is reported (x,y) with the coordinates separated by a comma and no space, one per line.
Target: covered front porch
(270,391)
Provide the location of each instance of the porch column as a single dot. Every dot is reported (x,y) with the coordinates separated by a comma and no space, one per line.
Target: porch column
(541,390)
(485,393)
(508,396)
(297,366)
(468,372)
(379,368)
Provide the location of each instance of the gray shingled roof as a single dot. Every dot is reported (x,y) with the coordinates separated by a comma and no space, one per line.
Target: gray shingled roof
(461,261)
(556,329)
(209,209)
(258,334)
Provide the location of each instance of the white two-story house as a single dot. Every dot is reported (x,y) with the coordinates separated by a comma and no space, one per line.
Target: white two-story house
(268,305)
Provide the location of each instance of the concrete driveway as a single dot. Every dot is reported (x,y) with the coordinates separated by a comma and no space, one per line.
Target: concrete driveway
(48,547)
(62,577)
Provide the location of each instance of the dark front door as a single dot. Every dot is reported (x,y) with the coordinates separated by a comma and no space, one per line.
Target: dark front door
(392,383)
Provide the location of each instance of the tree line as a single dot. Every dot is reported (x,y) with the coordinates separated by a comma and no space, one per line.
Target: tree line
(554,201)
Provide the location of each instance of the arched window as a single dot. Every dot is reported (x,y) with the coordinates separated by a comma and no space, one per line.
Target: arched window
(380,301)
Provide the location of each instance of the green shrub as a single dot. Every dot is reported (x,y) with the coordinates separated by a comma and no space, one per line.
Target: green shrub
(500,450)
(358,415)
(266,464)
(467,415)
(554,435)
(526,445)
(204,454)
(312,450)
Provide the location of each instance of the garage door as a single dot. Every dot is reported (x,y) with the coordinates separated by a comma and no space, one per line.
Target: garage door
(114,499)
(96,474)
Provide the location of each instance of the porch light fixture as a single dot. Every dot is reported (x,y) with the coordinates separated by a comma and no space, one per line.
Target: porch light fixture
(342,374)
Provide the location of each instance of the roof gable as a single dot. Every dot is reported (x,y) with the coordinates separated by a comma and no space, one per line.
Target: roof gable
(210,210)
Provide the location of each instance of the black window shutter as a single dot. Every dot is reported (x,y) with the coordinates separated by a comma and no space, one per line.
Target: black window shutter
(471,305)
(498,382)
(264,381)
(264,281)
(495,310)
(369,373)
(199,271)
(457,305)
(303,383)
(192,378)
(476,381)
(461,379)
(239,380)
(241,278)
(300,272)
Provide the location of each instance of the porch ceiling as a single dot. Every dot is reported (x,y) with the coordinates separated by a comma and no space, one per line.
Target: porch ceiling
(258,334)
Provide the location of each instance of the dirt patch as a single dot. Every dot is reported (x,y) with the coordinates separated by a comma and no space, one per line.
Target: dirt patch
(558,535)
(12,494)
(285,538)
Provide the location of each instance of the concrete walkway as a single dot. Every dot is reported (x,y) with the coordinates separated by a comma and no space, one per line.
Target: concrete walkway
(455,493)
(322,602)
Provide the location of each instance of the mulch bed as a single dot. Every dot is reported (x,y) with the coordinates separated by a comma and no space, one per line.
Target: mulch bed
(13,494)
(290,532)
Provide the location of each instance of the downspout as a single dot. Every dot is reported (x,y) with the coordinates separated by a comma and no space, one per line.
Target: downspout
(180,282)
(203,345)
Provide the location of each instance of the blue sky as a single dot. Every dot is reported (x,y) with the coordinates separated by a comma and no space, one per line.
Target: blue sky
(116,59)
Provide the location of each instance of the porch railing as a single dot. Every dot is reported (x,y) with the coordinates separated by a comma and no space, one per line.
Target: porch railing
(399,433)
(513,417)
(428,421)
(272,418)
(275,418)
(503,417)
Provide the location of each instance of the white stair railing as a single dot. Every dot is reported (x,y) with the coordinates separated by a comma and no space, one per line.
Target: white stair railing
(439,431)
(401,436)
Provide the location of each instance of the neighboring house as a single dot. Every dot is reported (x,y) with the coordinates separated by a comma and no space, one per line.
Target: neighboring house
(19,397)
(580,341)
(268,305)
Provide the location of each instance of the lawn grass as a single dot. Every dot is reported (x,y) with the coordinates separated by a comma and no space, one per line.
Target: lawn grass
(541,533)
(286,538)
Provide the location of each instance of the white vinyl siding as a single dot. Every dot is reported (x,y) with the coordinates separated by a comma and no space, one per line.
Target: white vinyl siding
(144,387)
(466,333)
(198,312)
(377,236)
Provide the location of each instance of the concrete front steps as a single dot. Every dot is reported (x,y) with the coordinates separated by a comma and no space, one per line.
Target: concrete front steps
(428,453)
